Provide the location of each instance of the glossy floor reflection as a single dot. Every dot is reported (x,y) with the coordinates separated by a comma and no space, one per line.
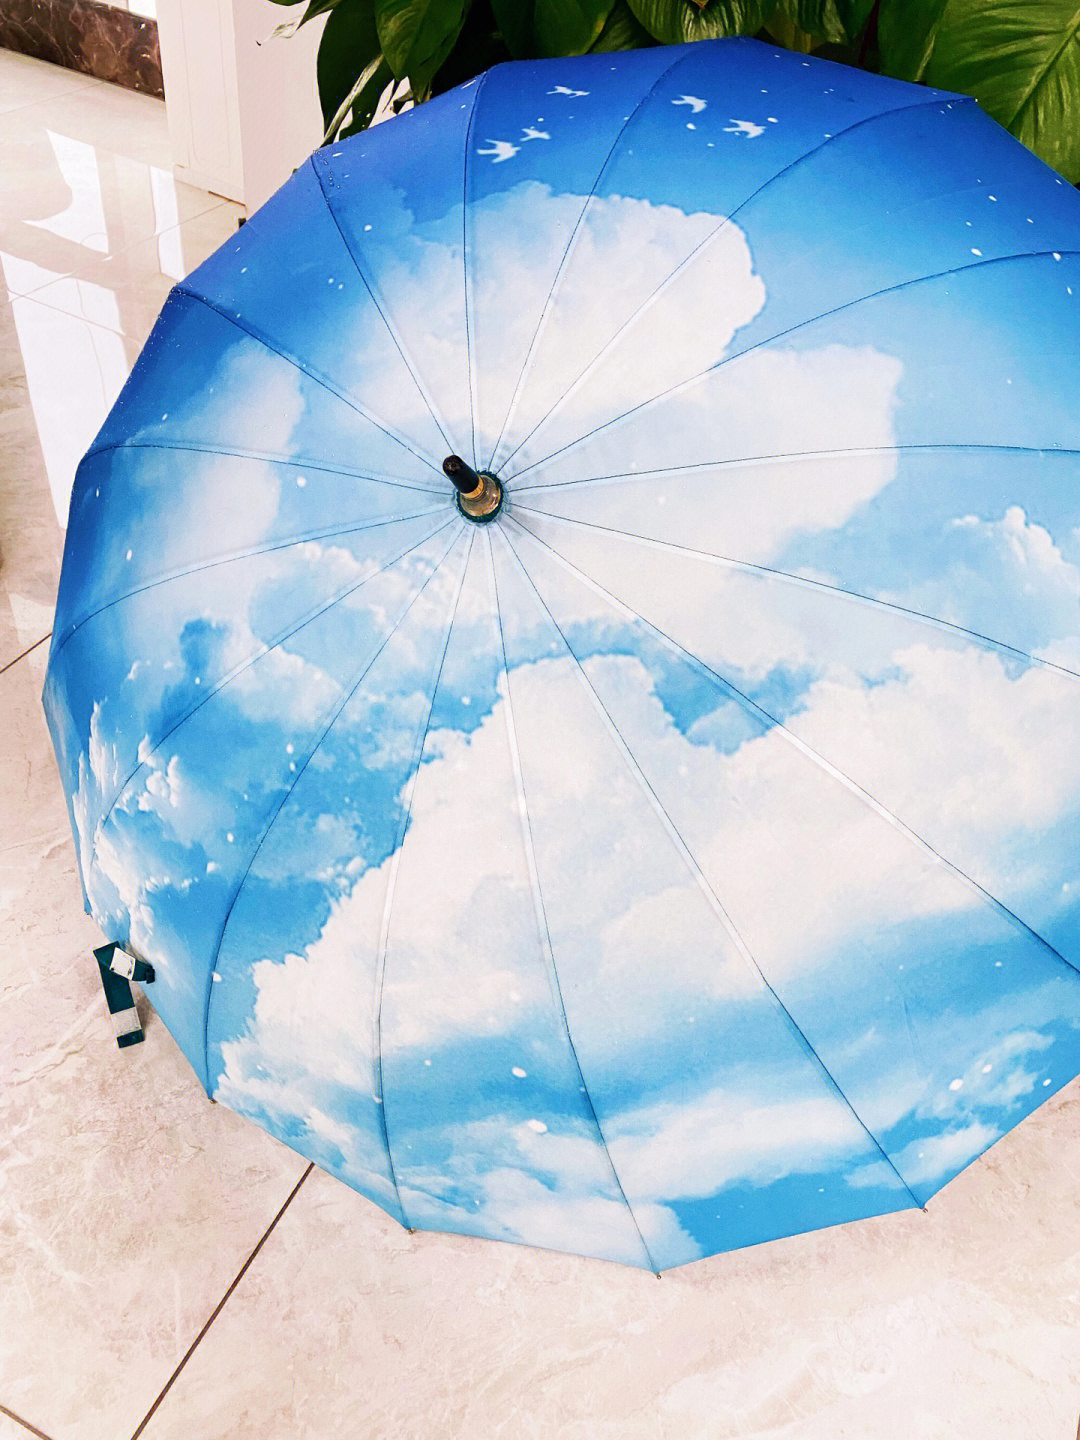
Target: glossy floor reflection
(132,1212)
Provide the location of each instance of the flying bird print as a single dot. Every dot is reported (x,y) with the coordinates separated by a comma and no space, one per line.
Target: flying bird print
(744,127)
(565,90)
(692,100)
(501,150)
(529,133)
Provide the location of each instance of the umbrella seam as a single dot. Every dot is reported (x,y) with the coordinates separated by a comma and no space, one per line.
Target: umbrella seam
(269,457)
(237,670)
(710,895)
(782,334)
(808,751)
(323,380)
(712,235)
(735,462)
(470,370)
(570,244)
(807,582)
(540,910)
(391,331)
(391,883)
(294,780)
(544,929)
(286,543)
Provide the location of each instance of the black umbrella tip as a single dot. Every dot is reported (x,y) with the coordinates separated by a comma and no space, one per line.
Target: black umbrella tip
(463,477)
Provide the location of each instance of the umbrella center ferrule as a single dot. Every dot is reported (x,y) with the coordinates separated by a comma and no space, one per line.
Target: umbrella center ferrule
(479,493)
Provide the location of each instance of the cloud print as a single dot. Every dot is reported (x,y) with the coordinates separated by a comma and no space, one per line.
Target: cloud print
(688,857)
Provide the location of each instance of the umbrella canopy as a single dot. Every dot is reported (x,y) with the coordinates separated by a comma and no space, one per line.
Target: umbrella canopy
(679,850)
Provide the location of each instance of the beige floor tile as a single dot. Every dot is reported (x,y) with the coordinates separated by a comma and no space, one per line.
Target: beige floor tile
(961,1322)
(30,536)
(68,199)
(127,1201)
(75,340)
(125,291)
(26,81)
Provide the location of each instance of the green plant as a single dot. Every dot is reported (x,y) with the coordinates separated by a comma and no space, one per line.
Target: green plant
(1019,58)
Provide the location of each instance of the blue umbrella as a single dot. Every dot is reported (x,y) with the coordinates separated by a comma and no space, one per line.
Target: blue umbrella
(566,663)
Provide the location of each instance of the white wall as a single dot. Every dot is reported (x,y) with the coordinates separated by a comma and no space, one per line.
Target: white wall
(242,106)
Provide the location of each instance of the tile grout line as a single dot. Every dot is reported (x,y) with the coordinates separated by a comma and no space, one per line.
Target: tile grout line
(24,1423)
(29,650)
(93,81)
(218,1307)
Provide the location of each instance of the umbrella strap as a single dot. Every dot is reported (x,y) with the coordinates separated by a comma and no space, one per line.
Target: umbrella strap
(118,969)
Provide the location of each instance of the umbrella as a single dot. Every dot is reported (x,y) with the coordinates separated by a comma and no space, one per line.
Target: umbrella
(566,663)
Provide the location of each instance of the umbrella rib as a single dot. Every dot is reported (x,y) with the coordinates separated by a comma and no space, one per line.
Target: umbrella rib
(391,330)
(323,380)
(391,881)
(770,722)
(543,928)
(711,897)
(269,457)
(704,243)
(285,543)
(782,334)
(470,367)
(346,696)
(742,461)
(571,242)
(806,582)
(265,649)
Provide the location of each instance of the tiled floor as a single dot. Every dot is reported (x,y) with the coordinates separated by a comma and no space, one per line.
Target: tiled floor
(170,1272)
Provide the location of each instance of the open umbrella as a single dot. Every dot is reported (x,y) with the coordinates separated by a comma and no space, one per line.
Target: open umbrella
(567,656)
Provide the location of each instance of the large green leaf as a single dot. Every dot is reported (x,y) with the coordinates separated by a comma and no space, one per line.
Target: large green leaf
(1021,61)
(515,21)
(568,27)
(349,44)
(674,21)
(357,110)
(906,33)
(838,21)
(479,46)
(621,31)
(418,35)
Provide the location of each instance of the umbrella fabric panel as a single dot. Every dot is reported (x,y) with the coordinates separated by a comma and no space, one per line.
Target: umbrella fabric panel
(203,380)
(993,783)
(700,1080)
(292,1021)
(663,233)
(877,523)
(845,380)
(880,220)
(399,212)
(488,1120)
(115,673)
(174,814)
(189,510)
(539,145)
(289,279)
(856,925)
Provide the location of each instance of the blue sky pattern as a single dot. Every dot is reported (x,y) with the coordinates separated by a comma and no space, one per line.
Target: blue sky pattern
(689,857)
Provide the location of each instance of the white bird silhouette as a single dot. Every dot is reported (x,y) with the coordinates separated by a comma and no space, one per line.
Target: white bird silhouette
(692,100)
(530,134)
(501,149)
(565,90)
(744,127)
